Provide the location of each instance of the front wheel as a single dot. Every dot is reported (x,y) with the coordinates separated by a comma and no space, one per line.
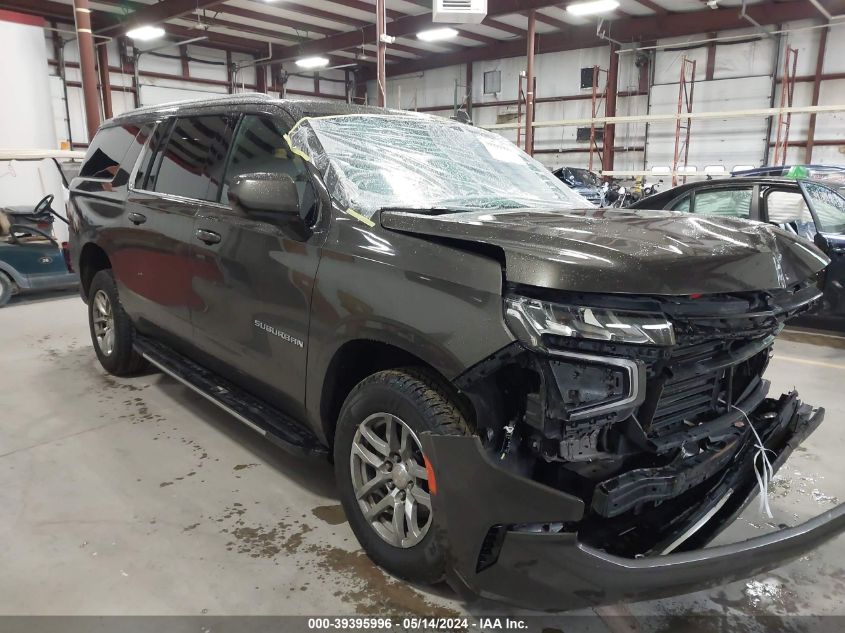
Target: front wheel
(381,471)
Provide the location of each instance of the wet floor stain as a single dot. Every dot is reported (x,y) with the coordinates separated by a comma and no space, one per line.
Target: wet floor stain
(244,466)
(354,578)
(333,515)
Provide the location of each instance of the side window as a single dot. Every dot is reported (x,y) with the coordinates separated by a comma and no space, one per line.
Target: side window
(191,164)
(726,202)
(260,147)
(829,206)
(105,156)
(788,210)
(682,204)
(159,135)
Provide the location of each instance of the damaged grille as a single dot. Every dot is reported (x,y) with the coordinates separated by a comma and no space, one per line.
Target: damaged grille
(684,400)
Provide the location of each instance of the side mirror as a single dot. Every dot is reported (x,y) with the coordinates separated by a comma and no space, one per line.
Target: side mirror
(268,197)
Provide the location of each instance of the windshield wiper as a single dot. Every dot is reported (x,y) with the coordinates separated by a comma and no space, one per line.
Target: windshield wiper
(439,210)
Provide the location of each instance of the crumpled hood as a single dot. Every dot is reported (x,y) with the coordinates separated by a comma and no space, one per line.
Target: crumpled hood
(612,250)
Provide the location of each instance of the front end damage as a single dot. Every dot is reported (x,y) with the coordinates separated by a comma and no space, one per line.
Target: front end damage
(614,443)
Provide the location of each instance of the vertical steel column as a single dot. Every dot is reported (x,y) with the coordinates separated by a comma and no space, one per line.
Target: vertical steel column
(529,83)
(817,84)
(105,79)
(381,23)
(610,109)
(787,91)
(230,74)
(469,89)
(85,40)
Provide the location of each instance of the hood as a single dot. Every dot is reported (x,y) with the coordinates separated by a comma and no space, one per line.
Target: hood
(619,251)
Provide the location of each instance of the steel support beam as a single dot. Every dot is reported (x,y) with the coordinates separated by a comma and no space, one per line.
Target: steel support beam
(105,79)
(529,83)
(154,14)
(710,68)
(381,23)
(407,25)
(85,40)
(817,85)
(636,29)
(608,143)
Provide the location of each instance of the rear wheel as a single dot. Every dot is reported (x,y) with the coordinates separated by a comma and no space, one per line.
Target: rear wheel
(381,470)
(112,332)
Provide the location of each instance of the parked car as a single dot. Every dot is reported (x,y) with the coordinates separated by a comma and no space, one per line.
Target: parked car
(806,208)
(831,175)
(31,259)
(583,182)
(545,404)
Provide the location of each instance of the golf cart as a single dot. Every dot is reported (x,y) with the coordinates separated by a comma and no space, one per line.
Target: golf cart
(31,257)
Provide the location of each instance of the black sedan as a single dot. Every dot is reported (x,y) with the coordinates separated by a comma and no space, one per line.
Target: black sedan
(808,208)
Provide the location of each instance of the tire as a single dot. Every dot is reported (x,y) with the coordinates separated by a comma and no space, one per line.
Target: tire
(115,352)
(415,399)
(6,289)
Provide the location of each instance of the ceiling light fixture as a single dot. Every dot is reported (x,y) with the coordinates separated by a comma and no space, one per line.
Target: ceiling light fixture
(434,35)
(146,33)
(312,62)
(593,6)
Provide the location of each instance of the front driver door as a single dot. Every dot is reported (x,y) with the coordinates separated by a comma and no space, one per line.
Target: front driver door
(254,279)
(828,207)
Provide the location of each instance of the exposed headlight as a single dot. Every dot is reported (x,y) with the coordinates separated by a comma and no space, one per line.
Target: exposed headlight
(529,319)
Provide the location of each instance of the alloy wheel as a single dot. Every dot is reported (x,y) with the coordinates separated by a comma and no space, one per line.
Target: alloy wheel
(103,318)
(390,480)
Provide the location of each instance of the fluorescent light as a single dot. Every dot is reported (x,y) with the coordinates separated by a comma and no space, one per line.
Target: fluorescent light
(312,62)
(433,35)
(145,33)
(593,6)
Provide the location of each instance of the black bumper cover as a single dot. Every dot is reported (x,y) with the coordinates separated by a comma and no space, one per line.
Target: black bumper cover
(559,571)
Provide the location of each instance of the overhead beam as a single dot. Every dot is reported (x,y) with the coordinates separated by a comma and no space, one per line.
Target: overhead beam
(630,30)
(155,13)
(400,27)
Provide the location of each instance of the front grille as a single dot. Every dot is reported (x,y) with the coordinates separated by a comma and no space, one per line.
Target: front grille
(684,400)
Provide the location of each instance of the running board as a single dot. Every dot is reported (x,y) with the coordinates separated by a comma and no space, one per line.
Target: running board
(270,422)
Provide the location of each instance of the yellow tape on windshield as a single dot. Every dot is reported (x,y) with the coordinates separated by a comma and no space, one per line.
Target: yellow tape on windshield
(360,217)
(296,151)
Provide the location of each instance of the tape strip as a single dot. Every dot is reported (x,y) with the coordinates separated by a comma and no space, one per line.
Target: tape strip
(295,150)
(361,218)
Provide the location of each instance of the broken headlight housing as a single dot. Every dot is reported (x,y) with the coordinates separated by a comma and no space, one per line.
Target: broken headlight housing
(530,319)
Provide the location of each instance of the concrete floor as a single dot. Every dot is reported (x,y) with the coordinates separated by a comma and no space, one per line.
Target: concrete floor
(136,496)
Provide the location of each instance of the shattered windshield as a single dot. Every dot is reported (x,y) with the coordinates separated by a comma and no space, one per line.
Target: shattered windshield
(372,162)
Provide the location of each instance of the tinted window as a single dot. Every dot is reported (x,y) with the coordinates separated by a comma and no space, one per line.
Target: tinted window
(108,151)
(682,205)
(829,207)
(260,147)
(191,164)
(730,202)
(159,134)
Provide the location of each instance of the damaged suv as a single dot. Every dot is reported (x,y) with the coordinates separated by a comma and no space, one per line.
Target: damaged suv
(545,404)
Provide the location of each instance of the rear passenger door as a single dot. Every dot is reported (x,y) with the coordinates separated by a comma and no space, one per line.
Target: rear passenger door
(253,279)
(181,172)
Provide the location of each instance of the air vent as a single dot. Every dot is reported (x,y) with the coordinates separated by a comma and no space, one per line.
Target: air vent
(459,11)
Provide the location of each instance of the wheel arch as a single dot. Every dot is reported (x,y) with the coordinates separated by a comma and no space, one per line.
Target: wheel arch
(359,358)
(92,259)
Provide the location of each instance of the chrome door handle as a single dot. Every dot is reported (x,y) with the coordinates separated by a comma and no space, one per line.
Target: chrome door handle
(136,218)
(209,237)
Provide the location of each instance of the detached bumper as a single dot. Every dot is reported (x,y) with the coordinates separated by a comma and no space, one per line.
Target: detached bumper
(561,571)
